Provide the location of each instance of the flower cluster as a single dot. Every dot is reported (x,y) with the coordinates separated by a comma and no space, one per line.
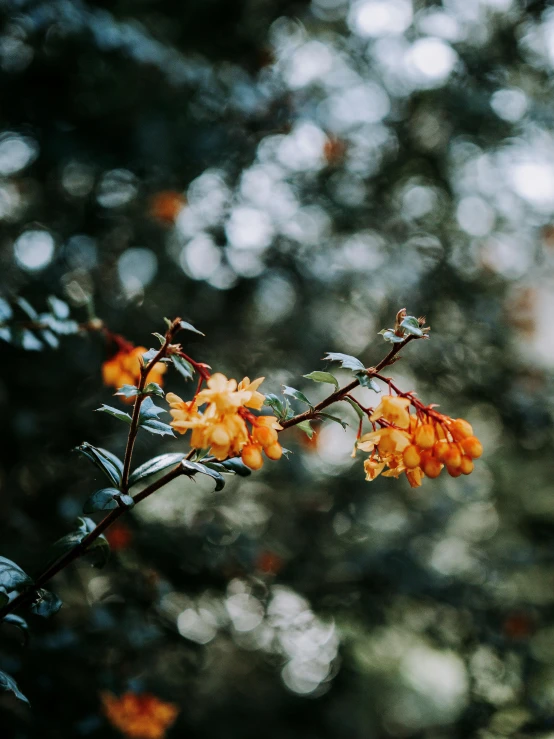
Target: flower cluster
(139,716)
(218,417)
(124,367)
(419,444)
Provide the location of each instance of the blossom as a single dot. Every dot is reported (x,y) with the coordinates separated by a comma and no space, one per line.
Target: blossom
(393,409)
(124,368)
(257,399)
(139,716)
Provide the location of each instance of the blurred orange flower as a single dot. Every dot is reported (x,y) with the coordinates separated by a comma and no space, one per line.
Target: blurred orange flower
(124,368)
(139,716)
(166,205)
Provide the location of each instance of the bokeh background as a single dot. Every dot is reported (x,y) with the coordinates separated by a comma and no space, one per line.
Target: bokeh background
(286,176)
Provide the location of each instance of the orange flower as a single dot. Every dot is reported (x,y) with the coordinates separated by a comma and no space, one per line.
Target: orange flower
(393,409)
(139,716)
(124,368)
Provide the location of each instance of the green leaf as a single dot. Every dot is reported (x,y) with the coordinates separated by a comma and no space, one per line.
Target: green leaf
(347,361)
(333,418)
(294,393)
(189,327)
(110,465)
(359,411)
(46,604)
(411,326)
(4,597)
(148,419)
(368,382)
(20,623)
(193,467)
(12,576)
(389,335)
(236,465)
(6,311)
(184,368)
(323,377)
(281,408)
(99,550)
(149,355)
(153,389)
(58,307)
(106,500)
(8,684)
(155,465)
(306,427)
(128,391)
(120,415)
(160,338)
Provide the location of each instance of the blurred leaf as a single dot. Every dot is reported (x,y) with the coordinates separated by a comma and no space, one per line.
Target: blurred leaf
(20,623)
(389,335)
(106,500)
(12,576)
(184,368)
(293,393)
(194,467)
(58,307)
(155,465)
(148,419)
(6,311)
(236,465)
(111,465)
(7,683)
(4,598)
(131,391)
(347,361)
(120,415)
(47,604)
(99,550)
(332,418)
(189,327)
(306,427)
(368,382)
(286,452)
(323,377)
(160,338)
(27,308)
(411,326)
(359,411)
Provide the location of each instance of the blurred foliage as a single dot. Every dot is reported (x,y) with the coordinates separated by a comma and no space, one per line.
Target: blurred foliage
(286,176)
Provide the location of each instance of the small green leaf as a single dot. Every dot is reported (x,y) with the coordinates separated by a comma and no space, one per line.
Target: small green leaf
(160,338)
(6,311)
(389,335)
(236,465)
(153,389)
(106,500)
(58,307)
(281,408)
(347,361)
(184,368)
(4,597)
(411,326)
(155,465)
(189,327)
(333,418)
(368,382)
(286,452)
(7,683)
(128,391)
(111,465)
(148,419)
(323,377)
(27,308)
(193,467)
(12,576)
(46,604)
(98,551)
(294,393)
(149,355)
(306,427)
(120,415)
(359,411)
